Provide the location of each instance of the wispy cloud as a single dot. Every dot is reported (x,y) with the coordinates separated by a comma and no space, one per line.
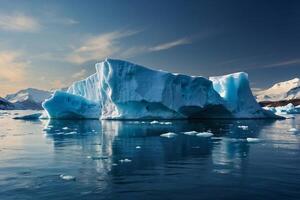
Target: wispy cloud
(98,47)
(283,63)
(170,45)
(79,74)
(19,22)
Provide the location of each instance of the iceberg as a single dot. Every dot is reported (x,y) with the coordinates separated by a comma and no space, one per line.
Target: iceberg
(123,90)
(63,105)
(238,97)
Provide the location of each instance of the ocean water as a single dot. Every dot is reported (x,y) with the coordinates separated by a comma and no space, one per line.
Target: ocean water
(91,159)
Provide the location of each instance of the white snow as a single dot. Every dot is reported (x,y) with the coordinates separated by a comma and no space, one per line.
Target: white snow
(169,135)
(281,91)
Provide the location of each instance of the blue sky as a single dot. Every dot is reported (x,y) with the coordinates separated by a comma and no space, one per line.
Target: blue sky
(49,44)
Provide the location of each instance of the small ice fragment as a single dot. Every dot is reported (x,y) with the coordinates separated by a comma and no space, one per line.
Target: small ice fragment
(243,127)
(204,134)
(126,160)
(138,147)
(169,135)
(190,133)
(154,122)
(114,164)
(253,140)
(67,177)
(293,130)
(65,128)
(71,133)
(166,123)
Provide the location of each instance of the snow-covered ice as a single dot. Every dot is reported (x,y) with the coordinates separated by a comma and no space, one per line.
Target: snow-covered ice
(204,134)
(243,127)
(67,177)
(253,140)
(190,133)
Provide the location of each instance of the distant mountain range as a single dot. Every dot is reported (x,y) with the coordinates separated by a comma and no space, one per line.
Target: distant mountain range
(27,99)
(280,94)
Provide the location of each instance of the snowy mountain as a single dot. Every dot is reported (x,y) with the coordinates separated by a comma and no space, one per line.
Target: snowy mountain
(29,98)
(5,105)
(287,90)
(123,90)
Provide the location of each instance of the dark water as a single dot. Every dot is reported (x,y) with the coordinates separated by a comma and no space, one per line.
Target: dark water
(33,155)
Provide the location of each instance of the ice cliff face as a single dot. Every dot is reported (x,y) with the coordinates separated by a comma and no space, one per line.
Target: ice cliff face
(128,91)
(235,90)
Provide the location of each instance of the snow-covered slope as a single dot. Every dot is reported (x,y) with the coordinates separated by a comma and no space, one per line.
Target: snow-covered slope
(125,90)
(286,90)
(5,105)
(28,98)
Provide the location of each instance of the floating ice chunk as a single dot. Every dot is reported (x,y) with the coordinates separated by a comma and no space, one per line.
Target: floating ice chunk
(154,122)
(63,105)
(138,147)
(166,123)
(70,133)
(293,130)
(169,135)
(126,160)
(191,133)
(243,127)
(65,128)
(253,140)
(34,116)
(204,134)
(67,177)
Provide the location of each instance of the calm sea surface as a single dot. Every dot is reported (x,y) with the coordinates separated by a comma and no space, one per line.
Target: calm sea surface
(91,159)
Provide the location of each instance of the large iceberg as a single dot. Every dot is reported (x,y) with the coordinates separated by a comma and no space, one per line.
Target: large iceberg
(123,90)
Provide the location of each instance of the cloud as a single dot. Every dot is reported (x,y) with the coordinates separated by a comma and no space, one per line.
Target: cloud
(13,71)
(79,74)
(170,45)
(283,63)
(98,47)
(19,23)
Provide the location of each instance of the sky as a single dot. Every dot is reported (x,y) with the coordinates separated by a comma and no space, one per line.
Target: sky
(50,44)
